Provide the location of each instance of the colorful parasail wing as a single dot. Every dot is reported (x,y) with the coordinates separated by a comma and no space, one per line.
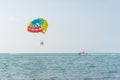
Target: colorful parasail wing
(37,25)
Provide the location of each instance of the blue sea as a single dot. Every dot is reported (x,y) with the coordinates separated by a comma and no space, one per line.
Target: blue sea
(60,66)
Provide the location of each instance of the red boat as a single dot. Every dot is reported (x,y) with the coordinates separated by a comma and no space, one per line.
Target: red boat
(82,53)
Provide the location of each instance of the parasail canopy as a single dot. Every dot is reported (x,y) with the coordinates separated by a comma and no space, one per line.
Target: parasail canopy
(37,25)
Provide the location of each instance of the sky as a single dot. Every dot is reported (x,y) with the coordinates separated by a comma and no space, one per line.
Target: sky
(74,25)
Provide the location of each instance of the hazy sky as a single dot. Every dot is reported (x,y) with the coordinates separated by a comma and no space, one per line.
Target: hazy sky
(74,25)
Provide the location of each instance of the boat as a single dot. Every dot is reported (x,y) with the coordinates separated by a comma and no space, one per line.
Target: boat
(82,53)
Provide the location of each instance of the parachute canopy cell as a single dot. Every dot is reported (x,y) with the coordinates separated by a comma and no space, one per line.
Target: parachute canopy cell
(37,25)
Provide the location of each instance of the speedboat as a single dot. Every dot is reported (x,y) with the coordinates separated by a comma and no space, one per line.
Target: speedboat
(82,53)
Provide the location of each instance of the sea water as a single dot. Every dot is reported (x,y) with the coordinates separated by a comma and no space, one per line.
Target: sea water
(59,66)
